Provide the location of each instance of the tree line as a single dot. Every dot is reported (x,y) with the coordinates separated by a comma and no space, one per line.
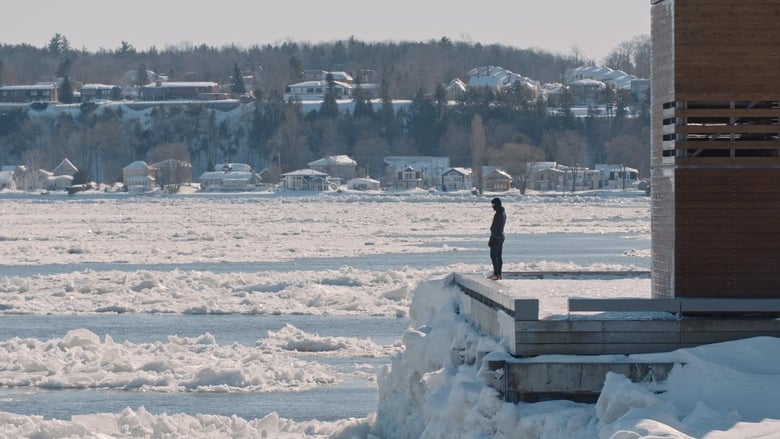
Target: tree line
(508,128)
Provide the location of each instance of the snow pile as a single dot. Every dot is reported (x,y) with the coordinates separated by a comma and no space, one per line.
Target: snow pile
(80,360)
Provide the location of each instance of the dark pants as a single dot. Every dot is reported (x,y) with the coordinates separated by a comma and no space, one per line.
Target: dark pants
(496,248)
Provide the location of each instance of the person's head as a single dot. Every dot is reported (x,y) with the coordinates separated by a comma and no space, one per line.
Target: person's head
(496,202)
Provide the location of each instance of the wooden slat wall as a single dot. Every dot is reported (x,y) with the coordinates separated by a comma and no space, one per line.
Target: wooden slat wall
(726,49)
(605,337)
(716,226)
(728,233)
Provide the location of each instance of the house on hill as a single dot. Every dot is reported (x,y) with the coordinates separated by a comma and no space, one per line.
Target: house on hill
(96,92)
(499,79)
(455,88)
(43,92)
(166,91)
(315,90)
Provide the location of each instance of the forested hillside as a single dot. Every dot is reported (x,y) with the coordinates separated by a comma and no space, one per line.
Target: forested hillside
(507,128)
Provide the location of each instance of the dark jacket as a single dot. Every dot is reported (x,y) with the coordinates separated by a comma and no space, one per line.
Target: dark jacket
(497,227)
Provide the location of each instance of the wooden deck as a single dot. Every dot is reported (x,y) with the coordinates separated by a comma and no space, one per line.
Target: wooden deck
(602,327)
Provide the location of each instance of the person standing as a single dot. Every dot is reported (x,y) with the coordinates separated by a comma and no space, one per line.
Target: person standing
(496,241)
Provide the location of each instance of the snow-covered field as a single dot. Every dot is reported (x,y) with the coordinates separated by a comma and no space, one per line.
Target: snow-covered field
(336,254)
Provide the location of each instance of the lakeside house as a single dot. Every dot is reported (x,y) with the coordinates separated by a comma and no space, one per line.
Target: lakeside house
(139,176)
(307,180)
(406,172)
(456,179)
(230,177)
(341,167)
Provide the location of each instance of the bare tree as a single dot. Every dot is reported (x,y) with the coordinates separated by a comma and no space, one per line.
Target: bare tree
(567,147)
(632,149)
(632,56)
(517,158)
(457,144)
(292,147)
(33,159)
(172,163)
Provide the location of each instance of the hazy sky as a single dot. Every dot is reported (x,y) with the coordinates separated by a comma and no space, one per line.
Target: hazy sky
(594,27)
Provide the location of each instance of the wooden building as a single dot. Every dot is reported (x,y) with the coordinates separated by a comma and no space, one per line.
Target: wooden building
(715,148)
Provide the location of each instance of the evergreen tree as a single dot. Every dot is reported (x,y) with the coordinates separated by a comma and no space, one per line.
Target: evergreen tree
(363,107)
(63,69)
(329,107)
(58,44)
(82,176)
(125,48)
(66,91)
(296,68)
(423,127)
(390,128)
(237,85)
(142,76)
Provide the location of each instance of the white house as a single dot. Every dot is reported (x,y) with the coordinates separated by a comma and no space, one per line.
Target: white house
(230,177)
(499,79)
(455,88)
(140,183)
(618,176)
(456,179)
(315,90)
(617,78)
(307,180)
(139,176)
(235,167)
(66,167)
(428,169)
(337,166)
